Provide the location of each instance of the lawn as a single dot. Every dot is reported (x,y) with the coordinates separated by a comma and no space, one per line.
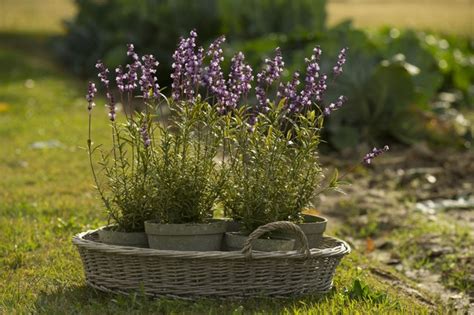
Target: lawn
(447,16)
(46,196)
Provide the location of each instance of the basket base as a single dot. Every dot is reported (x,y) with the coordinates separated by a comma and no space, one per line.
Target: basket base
(199,297)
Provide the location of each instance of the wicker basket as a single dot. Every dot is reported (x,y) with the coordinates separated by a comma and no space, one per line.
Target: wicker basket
(190,275)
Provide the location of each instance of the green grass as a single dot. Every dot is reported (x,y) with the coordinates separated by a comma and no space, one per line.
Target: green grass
(456,266)
(35,16)
(445,16)
(46,196)
(414,237)
(70,296)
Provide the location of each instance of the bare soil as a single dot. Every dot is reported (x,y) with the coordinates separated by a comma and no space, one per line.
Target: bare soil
(413,210)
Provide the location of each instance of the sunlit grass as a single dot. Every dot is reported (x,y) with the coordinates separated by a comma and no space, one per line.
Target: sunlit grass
(446,16)
(34,15)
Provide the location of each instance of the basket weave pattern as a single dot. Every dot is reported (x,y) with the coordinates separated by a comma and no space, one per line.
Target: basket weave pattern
(164,273)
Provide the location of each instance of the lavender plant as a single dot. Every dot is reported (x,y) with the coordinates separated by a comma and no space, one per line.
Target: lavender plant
(274,170)
(268,142)
(273,174)
(157,168)
(126,165)
(273,165)
(187,179)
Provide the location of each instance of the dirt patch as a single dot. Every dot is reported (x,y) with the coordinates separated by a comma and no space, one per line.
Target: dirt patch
(414,211)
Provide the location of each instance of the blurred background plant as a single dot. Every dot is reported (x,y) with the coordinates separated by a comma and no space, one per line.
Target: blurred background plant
(101,28)
(402,85)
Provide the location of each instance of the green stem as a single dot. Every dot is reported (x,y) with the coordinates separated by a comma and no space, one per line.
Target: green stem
(94,175)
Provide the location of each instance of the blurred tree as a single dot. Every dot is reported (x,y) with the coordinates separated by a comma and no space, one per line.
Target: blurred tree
(103,27)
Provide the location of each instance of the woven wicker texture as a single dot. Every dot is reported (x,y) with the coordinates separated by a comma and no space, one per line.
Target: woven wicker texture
(190,275)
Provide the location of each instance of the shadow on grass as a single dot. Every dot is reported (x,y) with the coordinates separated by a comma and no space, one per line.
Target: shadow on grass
(29,57)
(26,55)
(84,299)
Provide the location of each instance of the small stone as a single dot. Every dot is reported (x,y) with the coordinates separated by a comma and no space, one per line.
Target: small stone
(456,296)
(385,245)
(393,262)
(46,144)
(438,251)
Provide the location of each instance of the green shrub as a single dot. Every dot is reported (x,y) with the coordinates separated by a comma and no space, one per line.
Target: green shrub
(273,174)
(445,62)
(155,168)
(392,79)
(102,27)
(186,179)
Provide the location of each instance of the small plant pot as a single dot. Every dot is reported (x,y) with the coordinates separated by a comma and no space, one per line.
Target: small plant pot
(235,241)
(186,237)
(232,226)
(313,227)
(135,239)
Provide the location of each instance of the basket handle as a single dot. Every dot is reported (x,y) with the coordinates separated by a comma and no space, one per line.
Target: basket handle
(278,225)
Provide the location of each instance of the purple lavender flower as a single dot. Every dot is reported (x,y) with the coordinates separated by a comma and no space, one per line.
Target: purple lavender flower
(131,77)
(194,73)
(240,76)
(111,106)
(270,73)
(179,60)
(187,67)
(260,94)
(334,106)
(103,73)
(274,67)
(374,153)
(289,91)
(120,78)
(317,52)
(320,88)
(145,136)
(214,77)
(91,90)
(251,121)
(315,84)
(341,60)
(103,76)
(131,52)
(148,81)
(192,66)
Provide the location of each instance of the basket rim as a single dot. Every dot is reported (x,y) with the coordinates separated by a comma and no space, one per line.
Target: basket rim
(340,248)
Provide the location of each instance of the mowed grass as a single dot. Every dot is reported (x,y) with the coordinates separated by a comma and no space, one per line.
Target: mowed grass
(35,16)
(445,16)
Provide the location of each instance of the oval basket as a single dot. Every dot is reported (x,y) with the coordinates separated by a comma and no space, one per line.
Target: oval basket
(190,275)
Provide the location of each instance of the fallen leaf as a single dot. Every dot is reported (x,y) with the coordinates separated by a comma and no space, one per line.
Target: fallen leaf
(370,245)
